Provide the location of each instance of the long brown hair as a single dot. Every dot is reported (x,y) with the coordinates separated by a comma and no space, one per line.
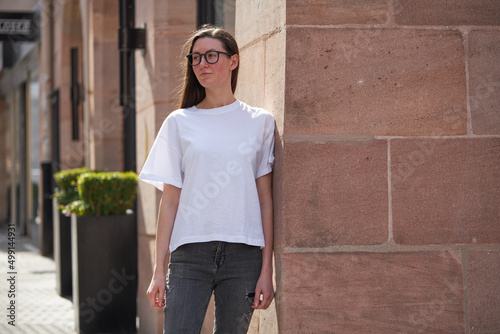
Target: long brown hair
(192,92)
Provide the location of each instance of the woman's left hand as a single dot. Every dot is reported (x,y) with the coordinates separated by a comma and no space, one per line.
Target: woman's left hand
(264,292)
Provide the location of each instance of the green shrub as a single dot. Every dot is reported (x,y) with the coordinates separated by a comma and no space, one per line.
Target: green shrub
(66,181)
(106,193)
(77,207)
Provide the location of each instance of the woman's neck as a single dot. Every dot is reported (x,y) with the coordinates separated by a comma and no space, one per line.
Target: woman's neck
(216,100)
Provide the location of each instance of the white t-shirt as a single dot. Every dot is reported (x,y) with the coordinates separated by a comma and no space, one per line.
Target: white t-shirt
(214,155)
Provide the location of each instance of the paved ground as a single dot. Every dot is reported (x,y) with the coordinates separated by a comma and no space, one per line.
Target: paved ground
(39,309)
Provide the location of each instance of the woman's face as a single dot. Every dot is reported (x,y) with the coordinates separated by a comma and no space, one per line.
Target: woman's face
(214,76)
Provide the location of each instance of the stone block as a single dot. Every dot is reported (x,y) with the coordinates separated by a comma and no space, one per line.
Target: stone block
(105,22)
(483,274)
(414,292)
(160,72)
(251,75)
(147,197)
(375,81)
(176,17)
(106,120)
(335,193)
(146,131)
(268,323)
(336,12)
(109,154)
(256,18)
(278,195)
(275,64)
(65,126)
(166,70)
(253,328)
(447,13)
(445,191)
(484,82)
(148,200)
(106,69)
(72,153)
(145,83)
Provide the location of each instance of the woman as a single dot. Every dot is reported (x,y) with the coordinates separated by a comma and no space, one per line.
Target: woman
(212,159)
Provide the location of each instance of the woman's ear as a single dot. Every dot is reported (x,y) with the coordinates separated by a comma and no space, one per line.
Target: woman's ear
(235,60)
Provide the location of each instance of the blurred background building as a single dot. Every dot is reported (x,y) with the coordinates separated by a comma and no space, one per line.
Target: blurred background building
(386,184)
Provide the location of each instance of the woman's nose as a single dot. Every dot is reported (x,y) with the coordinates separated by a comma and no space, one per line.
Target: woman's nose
(203,61)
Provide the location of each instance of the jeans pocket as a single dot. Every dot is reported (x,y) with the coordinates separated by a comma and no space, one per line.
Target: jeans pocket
(250,297)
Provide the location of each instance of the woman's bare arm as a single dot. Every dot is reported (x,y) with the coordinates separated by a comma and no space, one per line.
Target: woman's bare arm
(166,216)
(264,291)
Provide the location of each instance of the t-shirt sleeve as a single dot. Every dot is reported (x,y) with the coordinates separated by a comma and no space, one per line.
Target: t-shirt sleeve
(265,160)
(164,162)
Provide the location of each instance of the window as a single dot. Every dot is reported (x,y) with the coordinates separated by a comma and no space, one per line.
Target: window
(217,12)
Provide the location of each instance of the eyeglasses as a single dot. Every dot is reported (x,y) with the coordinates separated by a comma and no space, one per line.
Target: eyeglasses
(211,57)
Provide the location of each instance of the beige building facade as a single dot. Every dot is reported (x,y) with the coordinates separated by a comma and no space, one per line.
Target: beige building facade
(387,179)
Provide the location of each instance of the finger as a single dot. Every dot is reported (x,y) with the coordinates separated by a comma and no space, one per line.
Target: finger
(256,299)
(267,298)
(161,297)
(153,296)
(154,301)
(260,303)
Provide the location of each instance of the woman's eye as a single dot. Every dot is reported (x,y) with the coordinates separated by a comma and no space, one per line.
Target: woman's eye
(212,55)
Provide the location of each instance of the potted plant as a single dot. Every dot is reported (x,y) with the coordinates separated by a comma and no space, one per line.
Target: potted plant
(66,192)
(104,251)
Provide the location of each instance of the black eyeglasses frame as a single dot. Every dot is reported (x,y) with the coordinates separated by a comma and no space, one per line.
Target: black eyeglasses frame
(203,55)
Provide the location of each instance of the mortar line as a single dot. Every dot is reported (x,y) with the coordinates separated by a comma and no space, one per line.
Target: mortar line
(438,137)
(389,193)
(324,138)
(386,248)
(450,27)
(465,34)
(391,22)
(388,27)
(261,38)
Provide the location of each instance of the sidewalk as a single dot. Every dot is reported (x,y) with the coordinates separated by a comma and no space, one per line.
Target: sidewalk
(38,307)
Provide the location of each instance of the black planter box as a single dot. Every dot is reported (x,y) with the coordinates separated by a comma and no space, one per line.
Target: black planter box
(104,251)
(62,251)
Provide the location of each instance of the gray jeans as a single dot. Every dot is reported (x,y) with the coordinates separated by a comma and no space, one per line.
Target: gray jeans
(229,270)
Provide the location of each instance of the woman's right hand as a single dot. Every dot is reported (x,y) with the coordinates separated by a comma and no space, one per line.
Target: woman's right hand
(156,291)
